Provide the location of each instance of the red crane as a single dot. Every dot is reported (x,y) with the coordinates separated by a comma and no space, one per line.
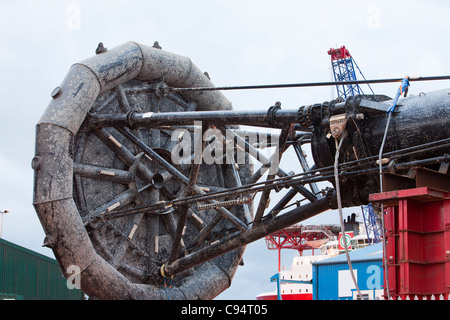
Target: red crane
(300,238)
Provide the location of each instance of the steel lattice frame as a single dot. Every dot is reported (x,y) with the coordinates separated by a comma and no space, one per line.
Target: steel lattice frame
(113,202)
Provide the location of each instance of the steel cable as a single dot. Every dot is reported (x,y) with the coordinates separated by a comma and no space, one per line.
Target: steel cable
(306,84)
(339,202)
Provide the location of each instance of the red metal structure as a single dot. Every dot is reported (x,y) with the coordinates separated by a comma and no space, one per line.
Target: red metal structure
(298,237)
(339,53)
(417,223)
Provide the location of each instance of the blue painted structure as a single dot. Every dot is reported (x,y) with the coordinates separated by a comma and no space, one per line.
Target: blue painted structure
(332,279)
(343,66)
(372,224)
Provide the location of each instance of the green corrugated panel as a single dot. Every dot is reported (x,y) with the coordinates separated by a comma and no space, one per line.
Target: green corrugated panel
(25,274)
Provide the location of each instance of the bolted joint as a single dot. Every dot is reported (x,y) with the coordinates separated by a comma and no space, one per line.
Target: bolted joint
(49,241)
(101,49)
(332,198)
(272,112)
(304,116)
(56,92)
(161,89)
(164,272)
(35,163)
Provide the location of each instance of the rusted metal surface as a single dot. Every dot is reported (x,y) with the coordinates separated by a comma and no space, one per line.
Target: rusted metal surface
(113,201)
(433,179)
(393,182)
(82,174)
(421,185)
(417,178)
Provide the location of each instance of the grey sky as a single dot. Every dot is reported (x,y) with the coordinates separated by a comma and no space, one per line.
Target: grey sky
(236,42)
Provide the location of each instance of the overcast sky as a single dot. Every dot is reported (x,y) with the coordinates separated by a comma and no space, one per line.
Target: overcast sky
(237,42)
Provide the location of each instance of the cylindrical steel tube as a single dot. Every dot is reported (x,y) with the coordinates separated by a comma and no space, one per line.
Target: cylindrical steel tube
(220,117)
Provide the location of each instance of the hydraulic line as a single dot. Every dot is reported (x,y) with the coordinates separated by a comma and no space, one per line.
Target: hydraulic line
(339,202)
(380,164)
(257,187)
(380,154)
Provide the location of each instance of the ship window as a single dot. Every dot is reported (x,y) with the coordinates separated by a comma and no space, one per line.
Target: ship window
(306,290)
(291,276)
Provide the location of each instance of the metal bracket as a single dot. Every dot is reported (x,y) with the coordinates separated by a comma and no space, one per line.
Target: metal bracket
(337,125)
(271,113)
